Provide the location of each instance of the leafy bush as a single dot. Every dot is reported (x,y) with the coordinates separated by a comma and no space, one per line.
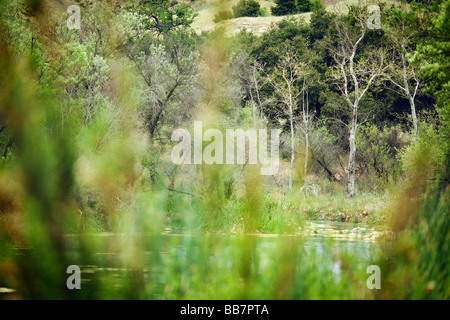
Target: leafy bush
(316,5)
(421,160)
(309,5)
(263,12)
(284,7)
(304,5)
(246,8)
(325,152)
(376,153)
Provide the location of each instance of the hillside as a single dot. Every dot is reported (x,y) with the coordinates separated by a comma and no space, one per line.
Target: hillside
(207,9)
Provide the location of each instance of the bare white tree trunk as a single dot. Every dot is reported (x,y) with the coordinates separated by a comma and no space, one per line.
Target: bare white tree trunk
(289,71)
(254,83)
(306,128)
(253,109)
(354,78)
(291,119)
(408,93)
(352,163)
(354,121)
(260,103)
(405,89)
(414,117)
(402,36)
(306,157)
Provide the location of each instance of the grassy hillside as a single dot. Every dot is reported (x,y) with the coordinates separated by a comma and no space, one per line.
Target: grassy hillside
(208,8)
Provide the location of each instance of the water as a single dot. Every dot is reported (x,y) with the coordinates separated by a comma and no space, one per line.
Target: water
(172,265)
(322,242)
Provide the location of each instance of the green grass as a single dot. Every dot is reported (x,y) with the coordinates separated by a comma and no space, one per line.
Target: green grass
(278,212)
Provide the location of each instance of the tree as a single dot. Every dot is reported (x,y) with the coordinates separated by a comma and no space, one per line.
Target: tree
(325,151)
(306,123)
(162,16)
(284,80)
(402,31)
(433,60)
(284,7)
(432,55)
(319,24)
(169,70)
(246,8)
(254,81)
(304,5)
(354,72)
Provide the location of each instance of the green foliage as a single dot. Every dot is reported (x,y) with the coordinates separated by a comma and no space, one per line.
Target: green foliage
(316,5)
(376,153)
(431,57)
(246,8)
(284,7)
(168,72)
(304,5)
(264,12)
(421,268)
(325,152)
(288,31)
(433,61)
(160,17)
(423,159)
(432,243)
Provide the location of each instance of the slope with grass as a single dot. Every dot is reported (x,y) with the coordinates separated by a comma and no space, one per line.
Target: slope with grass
(258,25)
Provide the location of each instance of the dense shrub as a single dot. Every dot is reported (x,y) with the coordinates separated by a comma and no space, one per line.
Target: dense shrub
(316,5)
(303,5)
(376,151)
(264,12)
(308,5)
(423,159)
(284,7)
(246,8)
(325,152)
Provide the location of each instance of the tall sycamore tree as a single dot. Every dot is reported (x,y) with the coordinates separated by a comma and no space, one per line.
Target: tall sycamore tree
(402,29)
(356,67)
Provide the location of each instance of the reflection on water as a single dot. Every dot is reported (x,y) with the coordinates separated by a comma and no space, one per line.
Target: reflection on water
(321,242)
